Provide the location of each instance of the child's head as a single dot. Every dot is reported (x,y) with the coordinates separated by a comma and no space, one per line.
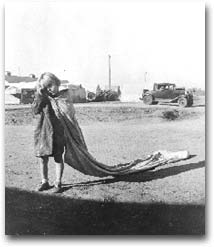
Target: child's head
(49,82)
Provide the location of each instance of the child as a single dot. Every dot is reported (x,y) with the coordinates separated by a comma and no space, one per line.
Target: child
(49,137)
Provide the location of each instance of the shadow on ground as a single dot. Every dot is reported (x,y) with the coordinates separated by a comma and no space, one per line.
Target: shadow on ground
(31,213)
(142,176)
(202,105)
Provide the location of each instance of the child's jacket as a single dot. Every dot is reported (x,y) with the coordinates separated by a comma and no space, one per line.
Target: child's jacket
(49,133)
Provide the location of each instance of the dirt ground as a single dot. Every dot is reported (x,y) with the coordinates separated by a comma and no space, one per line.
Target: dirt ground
(167,200)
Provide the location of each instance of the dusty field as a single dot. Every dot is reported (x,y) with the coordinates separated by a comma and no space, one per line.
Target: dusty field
(167,200)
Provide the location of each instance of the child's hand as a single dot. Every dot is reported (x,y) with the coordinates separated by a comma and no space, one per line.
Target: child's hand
(44,92)
(50,93)
(40,91)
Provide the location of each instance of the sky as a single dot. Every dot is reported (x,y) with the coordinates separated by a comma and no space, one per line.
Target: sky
(156,41)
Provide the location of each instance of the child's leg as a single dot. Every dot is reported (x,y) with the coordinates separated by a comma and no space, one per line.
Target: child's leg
(44,174)
(44,168)
(59,168)
(59,171)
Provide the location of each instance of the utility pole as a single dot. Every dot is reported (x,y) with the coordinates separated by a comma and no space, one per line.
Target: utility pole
(145,79)
(109,68)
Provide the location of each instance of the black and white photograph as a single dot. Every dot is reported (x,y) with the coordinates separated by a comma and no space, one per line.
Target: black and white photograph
(104,106)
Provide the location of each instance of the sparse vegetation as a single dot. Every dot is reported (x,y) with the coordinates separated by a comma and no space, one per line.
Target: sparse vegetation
(111,112)
(171,114)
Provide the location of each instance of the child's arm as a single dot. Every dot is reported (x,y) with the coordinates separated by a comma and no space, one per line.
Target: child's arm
(40,101)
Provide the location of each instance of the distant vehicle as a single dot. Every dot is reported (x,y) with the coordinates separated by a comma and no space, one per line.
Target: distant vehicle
(104,95)
(167,93)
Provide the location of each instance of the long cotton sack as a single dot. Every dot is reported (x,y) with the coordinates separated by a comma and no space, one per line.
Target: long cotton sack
(78,157)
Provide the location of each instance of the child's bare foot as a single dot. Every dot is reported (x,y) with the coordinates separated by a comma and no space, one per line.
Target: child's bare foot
(44,186)
(57,188)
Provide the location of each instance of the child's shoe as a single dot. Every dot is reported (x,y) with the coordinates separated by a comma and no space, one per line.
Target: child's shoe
(58,188)
(44,186)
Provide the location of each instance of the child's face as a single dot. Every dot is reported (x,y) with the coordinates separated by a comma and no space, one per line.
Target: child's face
(53,88)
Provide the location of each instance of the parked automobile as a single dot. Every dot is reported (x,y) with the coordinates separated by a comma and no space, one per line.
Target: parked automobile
(167,93)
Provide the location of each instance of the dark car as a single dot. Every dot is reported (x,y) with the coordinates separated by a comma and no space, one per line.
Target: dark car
(167,93)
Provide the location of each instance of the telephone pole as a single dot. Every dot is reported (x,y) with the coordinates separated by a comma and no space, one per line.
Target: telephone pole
(109,70)
(145,77)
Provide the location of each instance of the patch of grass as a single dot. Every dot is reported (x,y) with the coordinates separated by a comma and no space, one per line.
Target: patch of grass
(170,114)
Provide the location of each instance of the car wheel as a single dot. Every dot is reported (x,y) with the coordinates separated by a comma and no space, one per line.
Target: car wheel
(148,99)
(182,102)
